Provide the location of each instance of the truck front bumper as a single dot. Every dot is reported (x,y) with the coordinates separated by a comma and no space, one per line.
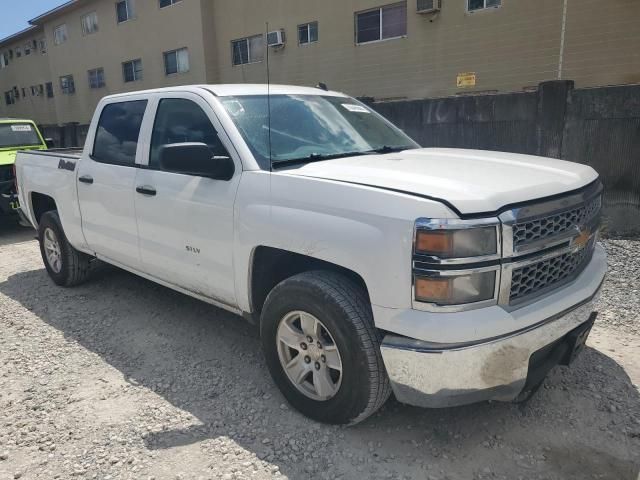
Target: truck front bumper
(498,369)
(434,375)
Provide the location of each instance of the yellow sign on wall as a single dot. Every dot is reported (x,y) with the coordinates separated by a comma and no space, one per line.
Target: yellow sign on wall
(467,79)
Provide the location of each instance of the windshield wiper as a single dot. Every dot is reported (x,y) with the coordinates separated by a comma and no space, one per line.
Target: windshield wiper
(388,149)
(317,157)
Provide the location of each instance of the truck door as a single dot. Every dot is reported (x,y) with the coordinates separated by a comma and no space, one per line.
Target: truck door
(106,184)
(185,222)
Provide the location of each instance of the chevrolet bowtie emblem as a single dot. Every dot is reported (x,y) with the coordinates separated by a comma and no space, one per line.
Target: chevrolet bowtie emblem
(583,238)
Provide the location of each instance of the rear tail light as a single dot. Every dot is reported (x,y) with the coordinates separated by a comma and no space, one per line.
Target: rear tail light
(15,178)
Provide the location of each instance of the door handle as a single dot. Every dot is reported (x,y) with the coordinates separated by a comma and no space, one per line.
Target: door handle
(86,179)
(146,190)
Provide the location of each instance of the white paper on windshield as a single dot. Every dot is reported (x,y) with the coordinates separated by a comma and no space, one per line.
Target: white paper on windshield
(20,128)
(355,108)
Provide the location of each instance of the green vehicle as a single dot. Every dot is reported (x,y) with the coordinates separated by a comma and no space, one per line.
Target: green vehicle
(15,134)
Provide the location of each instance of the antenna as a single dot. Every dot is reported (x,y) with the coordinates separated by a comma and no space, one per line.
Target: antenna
(269,97)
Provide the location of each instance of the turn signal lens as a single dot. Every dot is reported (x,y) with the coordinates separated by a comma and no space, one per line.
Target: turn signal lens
(435,289)
(463,243)
(456,289)
(438,242)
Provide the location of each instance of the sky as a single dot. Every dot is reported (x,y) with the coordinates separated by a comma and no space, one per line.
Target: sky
(17,16)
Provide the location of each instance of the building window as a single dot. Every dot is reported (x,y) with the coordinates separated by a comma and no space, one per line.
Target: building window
(36,91)
(18,52)
(132,70)
(381,23)
(49,87)
(248,50)
(176,61)
(67,86)
(168,3)
(24,92)
(124,11)
(60,34)
(27,49)
(9,97)
(308,33)
(4,60)
(89,23)
(475,5)
(42,45)
(96,78)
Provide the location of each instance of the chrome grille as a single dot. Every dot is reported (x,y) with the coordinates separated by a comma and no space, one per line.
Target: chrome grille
(556,224)
(536,277)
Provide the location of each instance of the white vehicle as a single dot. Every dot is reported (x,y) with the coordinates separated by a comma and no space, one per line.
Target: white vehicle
(369,263)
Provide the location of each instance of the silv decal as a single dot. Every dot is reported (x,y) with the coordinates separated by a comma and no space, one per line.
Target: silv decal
(66,165)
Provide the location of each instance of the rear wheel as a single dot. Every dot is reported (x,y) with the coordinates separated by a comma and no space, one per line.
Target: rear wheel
(66,265)
(322,348)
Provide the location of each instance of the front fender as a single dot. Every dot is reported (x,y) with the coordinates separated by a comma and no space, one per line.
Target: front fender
(363,229)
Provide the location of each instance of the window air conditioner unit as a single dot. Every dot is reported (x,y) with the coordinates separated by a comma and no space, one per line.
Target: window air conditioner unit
(276,38)
(429,6)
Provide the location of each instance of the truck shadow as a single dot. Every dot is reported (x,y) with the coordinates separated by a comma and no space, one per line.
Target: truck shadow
(208,363)
(11,232)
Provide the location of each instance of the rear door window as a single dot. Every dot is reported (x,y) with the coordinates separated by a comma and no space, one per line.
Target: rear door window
(118,131)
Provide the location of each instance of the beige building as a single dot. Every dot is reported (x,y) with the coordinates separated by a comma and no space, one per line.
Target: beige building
(85,49)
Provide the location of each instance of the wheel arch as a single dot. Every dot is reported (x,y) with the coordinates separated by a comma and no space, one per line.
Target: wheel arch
(269,266)
(40,204)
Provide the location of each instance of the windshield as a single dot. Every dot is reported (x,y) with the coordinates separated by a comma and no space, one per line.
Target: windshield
(18,135)
(312,127)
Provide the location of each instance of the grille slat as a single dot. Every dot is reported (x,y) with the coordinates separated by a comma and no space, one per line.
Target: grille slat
(535,277)
(556,224)
(532,279)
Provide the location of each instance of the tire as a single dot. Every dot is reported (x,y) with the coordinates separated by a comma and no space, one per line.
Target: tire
(74,267)
(344,312)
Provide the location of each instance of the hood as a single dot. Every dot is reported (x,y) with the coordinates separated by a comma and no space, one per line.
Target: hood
(473,181)
(8,157)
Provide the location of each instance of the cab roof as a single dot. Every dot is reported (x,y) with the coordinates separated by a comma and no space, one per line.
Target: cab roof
(237,89)
(12,120)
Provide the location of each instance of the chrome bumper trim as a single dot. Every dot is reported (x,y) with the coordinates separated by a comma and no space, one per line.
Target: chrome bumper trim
(435,376)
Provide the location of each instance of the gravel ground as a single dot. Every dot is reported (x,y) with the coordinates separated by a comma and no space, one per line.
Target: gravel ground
(124,379)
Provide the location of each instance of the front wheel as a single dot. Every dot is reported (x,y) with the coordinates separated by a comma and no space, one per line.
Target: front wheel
(322,348)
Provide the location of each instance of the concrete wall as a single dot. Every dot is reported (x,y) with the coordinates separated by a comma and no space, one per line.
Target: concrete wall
(602,44)
(511,47)
(147,36)
(24,72)
(152,32)
(596,126)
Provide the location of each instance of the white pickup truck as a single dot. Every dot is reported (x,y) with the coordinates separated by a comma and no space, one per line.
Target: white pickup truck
(370,264)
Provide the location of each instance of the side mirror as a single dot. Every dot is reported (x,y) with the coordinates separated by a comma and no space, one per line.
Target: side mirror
(50,143)
(195,159)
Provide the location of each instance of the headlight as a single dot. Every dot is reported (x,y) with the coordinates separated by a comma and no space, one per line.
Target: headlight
(456,264)
(455,288)
(457,243)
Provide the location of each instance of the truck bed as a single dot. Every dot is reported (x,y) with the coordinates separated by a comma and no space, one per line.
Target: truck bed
(50,173)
